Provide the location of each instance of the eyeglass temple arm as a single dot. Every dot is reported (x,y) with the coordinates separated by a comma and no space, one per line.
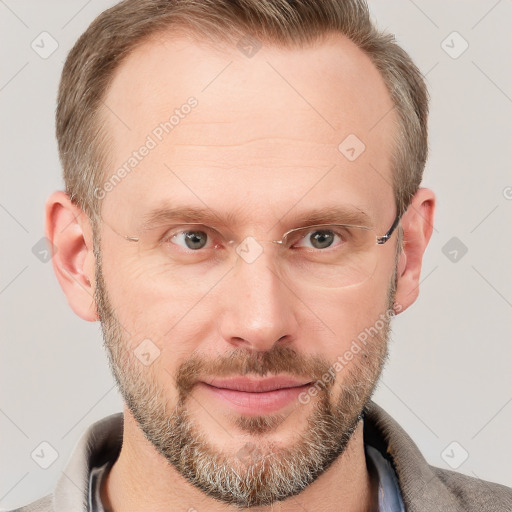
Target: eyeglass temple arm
(384,238)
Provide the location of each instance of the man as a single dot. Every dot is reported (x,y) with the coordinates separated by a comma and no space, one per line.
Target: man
(243,214)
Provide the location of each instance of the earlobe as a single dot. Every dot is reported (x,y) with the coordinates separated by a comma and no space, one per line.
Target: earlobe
(70,233)
(417,226)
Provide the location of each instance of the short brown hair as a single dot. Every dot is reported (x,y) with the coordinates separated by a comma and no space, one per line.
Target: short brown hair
(91,64)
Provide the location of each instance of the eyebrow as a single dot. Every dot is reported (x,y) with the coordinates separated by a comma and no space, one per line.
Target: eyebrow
(334,214)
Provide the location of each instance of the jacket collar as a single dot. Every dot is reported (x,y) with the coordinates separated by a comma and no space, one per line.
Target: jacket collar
(422,490)
(100,443)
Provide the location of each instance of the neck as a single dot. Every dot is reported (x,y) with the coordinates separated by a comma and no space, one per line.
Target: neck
(141,479)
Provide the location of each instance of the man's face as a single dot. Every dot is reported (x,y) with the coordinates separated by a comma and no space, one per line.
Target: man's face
(257,150)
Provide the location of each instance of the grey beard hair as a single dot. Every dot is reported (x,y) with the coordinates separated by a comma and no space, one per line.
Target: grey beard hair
(258,474)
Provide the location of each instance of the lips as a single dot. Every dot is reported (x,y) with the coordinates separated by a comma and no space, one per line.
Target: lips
(256,385)
(254,396)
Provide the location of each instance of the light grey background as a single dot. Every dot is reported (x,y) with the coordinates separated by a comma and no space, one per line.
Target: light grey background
(449,373)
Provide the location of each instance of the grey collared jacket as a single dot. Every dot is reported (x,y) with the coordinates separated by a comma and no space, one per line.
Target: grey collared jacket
(424,488)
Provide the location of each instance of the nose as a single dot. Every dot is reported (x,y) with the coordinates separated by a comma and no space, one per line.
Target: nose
(258,306)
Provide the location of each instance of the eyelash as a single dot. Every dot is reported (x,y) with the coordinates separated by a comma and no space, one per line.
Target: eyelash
(168,237)
(212,234)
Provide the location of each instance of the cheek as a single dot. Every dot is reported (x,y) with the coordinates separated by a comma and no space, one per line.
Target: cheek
(348,313)
(355,351)
(149,304)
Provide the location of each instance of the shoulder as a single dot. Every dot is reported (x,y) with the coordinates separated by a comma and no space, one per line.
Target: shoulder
(44,504)
(426,487)
(475,494)
(101,442)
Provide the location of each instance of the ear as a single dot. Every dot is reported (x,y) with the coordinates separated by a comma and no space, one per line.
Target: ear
(417,224)
(70,233)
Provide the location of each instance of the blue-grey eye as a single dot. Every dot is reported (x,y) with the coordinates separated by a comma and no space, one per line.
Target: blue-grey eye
(191,239)
(321,239)
(316,237)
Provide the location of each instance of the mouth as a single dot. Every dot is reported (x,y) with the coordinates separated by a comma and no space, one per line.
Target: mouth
(255,396)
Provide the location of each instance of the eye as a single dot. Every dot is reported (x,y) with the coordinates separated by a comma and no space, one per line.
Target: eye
(319,239)
(193,240)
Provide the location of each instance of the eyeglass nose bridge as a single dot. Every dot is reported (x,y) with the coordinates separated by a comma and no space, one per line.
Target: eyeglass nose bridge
(285,239)
(252,239)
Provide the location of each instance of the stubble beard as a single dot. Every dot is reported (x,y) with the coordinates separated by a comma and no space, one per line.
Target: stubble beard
(259,473)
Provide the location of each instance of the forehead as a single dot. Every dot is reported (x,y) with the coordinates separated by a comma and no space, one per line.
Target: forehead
(263,130)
